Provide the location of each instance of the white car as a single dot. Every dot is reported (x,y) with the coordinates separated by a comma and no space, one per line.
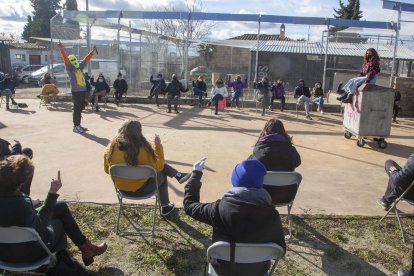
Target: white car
(24,73)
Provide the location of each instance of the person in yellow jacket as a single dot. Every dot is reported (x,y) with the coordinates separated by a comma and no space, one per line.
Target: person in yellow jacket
(130,147)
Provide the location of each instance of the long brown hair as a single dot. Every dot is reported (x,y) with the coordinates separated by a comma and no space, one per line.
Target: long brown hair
(15,170)
(373,57)
(274,126)
(131,140)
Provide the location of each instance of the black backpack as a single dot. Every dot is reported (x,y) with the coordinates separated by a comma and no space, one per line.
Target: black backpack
(66,266)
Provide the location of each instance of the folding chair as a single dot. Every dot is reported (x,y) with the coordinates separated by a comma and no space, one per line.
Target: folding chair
(16,235)
(244,253)
(136,173)
(395,209)
(282,187)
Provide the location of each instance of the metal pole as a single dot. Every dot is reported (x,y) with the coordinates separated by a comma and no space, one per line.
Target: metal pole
(186,51)
(88,38)
(394,55)
(257,51)
(140,58)
(130,53)
(326,59)
(231,59)
(118,67)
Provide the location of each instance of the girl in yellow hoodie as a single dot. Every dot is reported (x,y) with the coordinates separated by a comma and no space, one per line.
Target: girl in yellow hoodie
(130,147)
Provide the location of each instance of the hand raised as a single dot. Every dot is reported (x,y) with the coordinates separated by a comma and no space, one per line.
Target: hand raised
(55,185)
(157,139)
(199,165)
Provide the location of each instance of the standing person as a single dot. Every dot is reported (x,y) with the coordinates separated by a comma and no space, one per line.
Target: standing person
(158,87)
(121,87)
(368,74)
(53,221)
(278,93)
(238,87)
(218,93)
(77,84)
(264,89)
(398,181)
(7,88)
(88,89)
(130,147)
(317,94)
(101,89)
(396,107)
(303,94)
(173,90)
(199,89)
(244,214)
(274,148)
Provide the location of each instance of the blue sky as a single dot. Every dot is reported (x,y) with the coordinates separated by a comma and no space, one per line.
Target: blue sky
(14,12)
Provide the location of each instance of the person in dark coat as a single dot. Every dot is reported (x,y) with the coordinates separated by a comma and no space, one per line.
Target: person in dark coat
(52,221)
(158,87)
(121,87)
(200,89)
(303,94)
(174,89)
(274,148)
(264,89)
(244,214)
(278,93)
(101,89)
(398,182)
(7,87)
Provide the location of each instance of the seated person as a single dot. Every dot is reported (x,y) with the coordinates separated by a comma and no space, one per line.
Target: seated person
(199,89)
(278,93)
(7,149)
(368,74)
(101,89)
(317,96)
(121,87)
(130,147)
(218,93)
(238,85)
(244,214)
(398,182)
(48,84)
(303,94)
(274,148)
(174,89)
(7,85)
(52,221)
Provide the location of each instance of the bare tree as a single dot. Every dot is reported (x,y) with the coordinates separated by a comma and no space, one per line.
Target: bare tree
(13,37)
(183,30)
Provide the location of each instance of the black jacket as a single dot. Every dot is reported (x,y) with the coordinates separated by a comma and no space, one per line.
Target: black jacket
(263,87)
(120,86)
(404,177)
(277,156)
(302,90)
(174,88)
(100,86)
(200,85)
(235,220)
(5,150)
(158,84)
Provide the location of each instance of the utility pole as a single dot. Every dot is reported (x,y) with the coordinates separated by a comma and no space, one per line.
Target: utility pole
(397,34)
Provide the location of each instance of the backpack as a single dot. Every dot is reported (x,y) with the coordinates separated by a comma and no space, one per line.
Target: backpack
(66,266)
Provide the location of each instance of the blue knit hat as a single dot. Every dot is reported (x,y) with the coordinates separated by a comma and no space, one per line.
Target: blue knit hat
(249,174)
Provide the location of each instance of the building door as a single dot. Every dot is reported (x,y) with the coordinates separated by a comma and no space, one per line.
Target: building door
(34,60)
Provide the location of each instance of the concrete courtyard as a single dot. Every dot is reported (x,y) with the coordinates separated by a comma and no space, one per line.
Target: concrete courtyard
(338,176)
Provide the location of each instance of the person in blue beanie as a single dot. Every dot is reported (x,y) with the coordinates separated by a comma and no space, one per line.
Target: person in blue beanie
(244,214)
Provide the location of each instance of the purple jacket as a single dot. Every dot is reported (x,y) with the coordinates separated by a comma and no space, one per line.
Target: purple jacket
(237,85)
(278,90)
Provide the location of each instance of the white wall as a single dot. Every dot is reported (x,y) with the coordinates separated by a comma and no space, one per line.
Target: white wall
(27,52)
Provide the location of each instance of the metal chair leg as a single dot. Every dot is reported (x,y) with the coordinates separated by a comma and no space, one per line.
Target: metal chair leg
(400,223)
(290,222)
(119,216)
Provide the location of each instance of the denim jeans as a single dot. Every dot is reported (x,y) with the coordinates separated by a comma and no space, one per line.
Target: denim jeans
(281,98)
(149,187)
(236,97)
(170,99)
(200,93)
(319,101)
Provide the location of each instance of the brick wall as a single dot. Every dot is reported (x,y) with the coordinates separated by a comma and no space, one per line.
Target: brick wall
(406,88)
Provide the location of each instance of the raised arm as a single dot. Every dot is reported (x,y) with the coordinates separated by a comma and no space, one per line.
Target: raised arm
(63,52)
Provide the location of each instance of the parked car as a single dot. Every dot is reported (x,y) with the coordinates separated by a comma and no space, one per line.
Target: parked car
(24,73)
(105,66)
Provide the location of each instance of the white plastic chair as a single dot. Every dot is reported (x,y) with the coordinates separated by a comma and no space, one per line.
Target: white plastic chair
(396,212)
(136,173)
(282,187)
(244,253)
(15,234)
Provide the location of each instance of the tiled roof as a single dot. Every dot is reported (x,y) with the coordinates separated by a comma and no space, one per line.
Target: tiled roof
(30,46)
(264,37)
(334,49)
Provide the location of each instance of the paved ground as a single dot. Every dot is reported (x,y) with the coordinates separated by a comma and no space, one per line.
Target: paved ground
(338,176)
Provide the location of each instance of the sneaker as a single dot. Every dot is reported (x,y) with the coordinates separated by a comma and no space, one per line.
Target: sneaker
(182,177)
(308,117)
(385,205)
(166,210)
(78,129)
(403,272)
(83,128)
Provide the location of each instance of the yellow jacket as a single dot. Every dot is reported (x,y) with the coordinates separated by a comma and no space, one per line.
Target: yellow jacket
(144,158)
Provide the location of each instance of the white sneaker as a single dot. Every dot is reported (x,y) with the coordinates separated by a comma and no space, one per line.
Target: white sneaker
(78,129)
(83,128)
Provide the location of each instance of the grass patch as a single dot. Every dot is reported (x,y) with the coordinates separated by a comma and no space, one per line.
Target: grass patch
(339,245)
